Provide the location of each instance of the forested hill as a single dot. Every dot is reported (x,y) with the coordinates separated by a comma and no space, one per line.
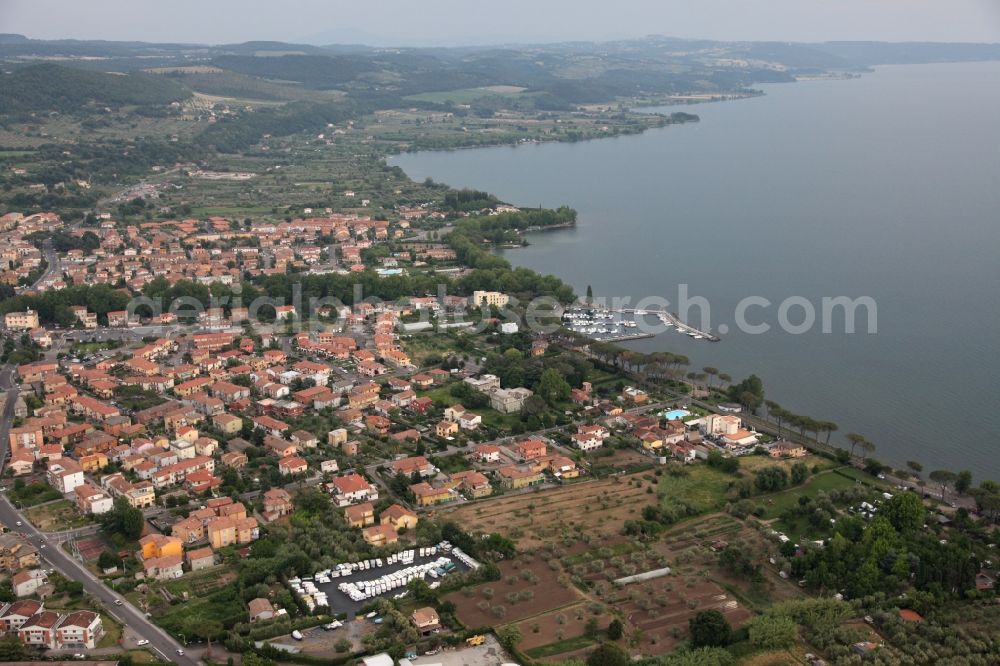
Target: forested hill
(49,87)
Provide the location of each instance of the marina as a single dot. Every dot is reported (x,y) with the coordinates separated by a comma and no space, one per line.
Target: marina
(615,325)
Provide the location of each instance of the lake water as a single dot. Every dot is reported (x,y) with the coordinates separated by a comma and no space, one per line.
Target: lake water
(887,186)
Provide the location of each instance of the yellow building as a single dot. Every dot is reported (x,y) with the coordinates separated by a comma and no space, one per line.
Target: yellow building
(492,298)
(519,477)
(21,321)
(222,532)
(141,495)
(399,517)
(159,545)
(228,424)
(380,535)
(428,495)
(446,429)
(94,462)
(360,515)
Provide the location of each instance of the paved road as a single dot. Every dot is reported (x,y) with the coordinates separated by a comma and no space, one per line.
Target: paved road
(7,384)
(51,268)
(133,618)
(127,614)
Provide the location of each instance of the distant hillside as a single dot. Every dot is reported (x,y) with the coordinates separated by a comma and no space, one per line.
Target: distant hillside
(48,87)
(314,71)
(909,53)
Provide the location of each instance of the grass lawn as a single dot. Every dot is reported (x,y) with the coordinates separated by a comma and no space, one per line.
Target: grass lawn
(440,394)
(143,657)
(705,487)
(85,348)
(112,632)
(788,499)
(60,515)
(863,477)
(702,486)
(601,378)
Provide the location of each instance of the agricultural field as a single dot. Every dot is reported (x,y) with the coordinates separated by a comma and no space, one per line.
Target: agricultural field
(556,632)
(597,508)
(196,598)
(529,586)
(658,611)
(688,549)
(466,95)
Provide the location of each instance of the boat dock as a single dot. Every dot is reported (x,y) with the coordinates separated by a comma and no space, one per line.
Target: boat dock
(618,325)
(671,320)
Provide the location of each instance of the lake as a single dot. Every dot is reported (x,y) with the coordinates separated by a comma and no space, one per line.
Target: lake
(886,186)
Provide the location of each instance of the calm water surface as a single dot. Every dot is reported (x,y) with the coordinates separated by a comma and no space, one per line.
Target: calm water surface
(886,186)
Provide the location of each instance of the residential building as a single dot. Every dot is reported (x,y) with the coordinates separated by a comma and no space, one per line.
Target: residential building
(514,477)
(81,629)
(292,465)
(277,503)
(26,582)
(16,553)
(39,630)
(428,495)
(492,298)
(260,609)
(508,401)
(360,515)
(530,449)
(399,517)
(474,484)
(201,558)
(380,535)
(21,321)
(64,475)
(425,620)
(485,383)
(13,616)
(353,488)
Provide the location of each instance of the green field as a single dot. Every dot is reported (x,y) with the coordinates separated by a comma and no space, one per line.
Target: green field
(567,645)
(85,348)
(466,95)
(826,482)
(701,486)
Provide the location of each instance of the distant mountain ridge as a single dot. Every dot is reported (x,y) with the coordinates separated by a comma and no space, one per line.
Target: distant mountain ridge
(76,74)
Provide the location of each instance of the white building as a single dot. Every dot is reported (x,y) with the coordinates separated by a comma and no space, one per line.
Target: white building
(65,475)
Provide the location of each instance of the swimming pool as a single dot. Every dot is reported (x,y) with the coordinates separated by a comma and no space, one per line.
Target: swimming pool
(675,414)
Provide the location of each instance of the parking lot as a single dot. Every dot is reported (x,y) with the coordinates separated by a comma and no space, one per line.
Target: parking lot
(341,603)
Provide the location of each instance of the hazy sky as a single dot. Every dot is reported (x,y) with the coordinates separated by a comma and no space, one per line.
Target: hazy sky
(456,22)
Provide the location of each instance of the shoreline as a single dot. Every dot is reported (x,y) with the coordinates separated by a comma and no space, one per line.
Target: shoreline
(897,456)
